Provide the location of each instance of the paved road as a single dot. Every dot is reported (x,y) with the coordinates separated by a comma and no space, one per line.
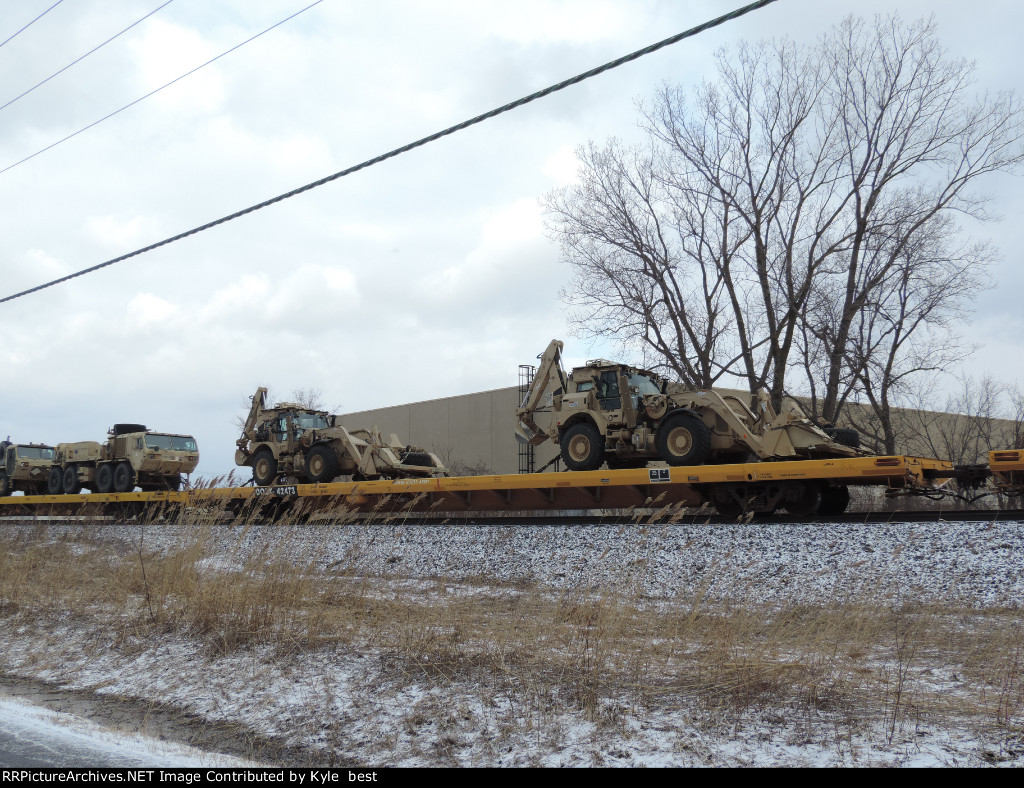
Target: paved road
(34,736)
(30,745)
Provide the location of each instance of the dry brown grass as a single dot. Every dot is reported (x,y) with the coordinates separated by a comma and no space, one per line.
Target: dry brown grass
(600,651)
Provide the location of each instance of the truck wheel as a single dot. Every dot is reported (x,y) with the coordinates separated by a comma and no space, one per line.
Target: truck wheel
(582,447)
(71,484)
(834,500)
(5,485)
(264,468)
(420,458)
(684,439)
(104,478)
(55,481)
(124,478)
(321,464)
(173,483)
(844,436)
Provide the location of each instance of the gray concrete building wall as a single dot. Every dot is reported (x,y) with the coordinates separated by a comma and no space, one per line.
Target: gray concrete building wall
(471,432)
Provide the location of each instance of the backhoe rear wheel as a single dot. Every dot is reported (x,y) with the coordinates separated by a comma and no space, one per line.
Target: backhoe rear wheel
(264,468)
(684,439)
(321,464)
(582,447)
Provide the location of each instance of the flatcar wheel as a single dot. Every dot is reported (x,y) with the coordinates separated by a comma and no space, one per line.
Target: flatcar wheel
(808,501)
(725,503)
(834,500)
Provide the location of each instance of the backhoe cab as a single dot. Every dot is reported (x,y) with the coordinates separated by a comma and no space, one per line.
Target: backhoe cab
(605,412)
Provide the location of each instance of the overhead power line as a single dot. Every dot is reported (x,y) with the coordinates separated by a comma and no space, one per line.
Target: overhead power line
(26,27)
(154,92)
(693,31)
(83,57)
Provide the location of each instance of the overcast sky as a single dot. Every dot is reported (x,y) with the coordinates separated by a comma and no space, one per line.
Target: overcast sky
(427,276)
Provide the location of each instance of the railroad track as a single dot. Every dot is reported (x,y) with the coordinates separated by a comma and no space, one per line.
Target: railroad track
(568,518)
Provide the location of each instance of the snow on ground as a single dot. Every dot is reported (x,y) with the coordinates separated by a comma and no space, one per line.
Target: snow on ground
(329,701)
(339,702)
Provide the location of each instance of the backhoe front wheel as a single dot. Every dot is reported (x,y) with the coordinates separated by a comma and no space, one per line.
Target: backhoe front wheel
(582,447)
(264,468)
(684,439)
(321,464)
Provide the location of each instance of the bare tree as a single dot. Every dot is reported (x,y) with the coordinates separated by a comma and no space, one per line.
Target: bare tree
(309,397)
(457,466)
(913,144)
(905,330)
(796,218)
(972,425)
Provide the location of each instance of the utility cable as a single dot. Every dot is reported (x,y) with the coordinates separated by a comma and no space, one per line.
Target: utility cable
(26,27)
(411,146)
(83,57)
(153,92)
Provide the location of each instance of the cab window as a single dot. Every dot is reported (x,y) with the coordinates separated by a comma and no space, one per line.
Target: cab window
(609,385)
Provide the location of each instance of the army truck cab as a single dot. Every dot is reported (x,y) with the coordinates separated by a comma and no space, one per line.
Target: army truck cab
(24,466)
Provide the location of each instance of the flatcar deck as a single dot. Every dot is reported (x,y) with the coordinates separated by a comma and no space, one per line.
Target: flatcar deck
(602,489)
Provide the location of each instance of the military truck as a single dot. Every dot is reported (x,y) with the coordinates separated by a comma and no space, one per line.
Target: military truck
(606,412)
(132,456)
(23,466)
(295,442)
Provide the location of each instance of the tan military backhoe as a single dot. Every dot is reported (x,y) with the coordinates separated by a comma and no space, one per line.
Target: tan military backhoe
(605,412)
(294,442)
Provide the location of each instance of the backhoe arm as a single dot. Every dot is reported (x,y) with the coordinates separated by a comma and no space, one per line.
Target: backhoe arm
(549,370)
(259,402)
